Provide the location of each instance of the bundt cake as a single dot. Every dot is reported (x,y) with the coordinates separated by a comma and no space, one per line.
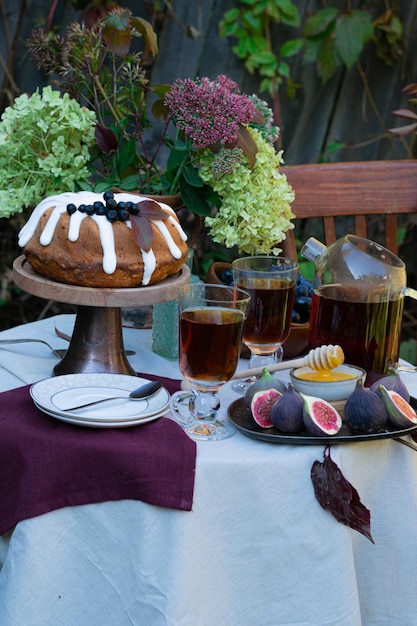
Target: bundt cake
(103,240)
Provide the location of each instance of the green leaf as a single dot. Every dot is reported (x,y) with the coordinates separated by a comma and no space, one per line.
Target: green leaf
(319,22)
(126,155)
(311,50)
(118,20)
(230,16)
(284,69)
(161,89)
(129,183)
(264,58)
(194,198)
(101,186)
(176,159)
(250,20)
(327,60)
(83,185)
(291,47)
(267,86)
(352,32)
(289,13)
(192,177)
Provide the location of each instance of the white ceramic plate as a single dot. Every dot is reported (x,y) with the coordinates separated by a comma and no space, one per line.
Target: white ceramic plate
(53,395)
(102,423)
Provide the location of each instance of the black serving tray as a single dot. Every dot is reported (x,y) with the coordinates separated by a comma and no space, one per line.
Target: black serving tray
(241,417)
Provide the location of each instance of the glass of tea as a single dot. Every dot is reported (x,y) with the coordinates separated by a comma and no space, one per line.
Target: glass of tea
(271,283)
(211,319)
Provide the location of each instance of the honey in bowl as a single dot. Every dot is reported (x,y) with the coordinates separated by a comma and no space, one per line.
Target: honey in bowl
(329,384)
(332,375)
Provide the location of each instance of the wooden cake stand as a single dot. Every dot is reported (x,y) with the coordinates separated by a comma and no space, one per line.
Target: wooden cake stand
(97,341)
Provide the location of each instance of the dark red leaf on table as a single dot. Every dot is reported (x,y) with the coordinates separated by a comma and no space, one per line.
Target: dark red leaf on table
(338,496)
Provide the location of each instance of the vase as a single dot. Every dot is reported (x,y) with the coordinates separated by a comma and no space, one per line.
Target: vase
(165,322)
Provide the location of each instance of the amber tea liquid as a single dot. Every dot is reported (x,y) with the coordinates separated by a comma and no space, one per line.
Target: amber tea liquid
(210,341)
(268,318)
(368,332)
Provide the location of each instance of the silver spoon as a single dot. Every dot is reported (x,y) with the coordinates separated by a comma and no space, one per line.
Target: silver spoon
(141,393)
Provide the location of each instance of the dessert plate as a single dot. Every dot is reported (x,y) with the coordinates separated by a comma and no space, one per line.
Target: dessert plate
(53,395)
(105,423)
(241,417)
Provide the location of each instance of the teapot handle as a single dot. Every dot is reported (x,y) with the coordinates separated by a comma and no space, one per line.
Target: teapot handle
(409,291)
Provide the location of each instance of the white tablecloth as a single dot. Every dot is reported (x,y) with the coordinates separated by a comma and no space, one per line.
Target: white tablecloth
(256,549)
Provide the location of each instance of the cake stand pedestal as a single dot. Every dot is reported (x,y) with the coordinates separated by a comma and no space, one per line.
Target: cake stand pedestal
(97,341)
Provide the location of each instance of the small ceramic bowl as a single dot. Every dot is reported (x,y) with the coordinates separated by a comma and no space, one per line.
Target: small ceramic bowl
(329,390)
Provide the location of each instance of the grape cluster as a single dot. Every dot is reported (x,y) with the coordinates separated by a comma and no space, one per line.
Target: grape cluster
(111,209)
(302,301)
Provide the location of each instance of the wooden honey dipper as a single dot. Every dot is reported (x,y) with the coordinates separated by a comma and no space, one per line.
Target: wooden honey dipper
(321,358)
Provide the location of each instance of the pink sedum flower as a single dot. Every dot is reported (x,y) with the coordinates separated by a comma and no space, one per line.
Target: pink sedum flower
(210,112)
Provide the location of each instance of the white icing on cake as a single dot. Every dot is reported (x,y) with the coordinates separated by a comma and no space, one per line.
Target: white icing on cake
(59,204)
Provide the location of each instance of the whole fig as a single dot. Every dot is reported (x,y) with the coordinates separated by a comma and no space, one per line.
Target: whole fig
(261,405)
(265,381)
(320,417)
(392,382)
(365,411)
(287,412)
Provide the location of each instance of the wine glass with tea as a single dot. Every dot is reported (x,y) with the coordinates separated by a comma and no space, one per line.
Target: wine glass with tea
(211,319)
(271,283)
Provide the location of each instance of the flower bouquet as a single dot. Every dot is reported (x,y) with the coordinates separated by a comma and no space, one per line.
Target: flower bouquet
(218,143)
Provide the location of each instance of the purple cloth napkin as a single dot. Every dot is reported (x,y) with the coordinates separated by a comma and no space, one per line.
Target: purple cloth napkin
(46,464)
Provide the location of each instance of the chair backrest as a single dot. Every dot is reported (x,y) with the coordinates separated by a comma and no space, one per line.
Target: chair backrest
(359,189)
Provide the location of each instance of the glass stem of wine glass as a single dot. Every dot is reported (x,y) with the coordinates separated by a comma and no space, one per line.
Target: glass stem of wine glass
(263,360)
(204,406)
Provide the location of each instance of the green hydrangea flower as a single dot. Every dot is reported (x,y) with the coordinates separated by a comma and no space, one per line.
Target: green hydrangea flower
(44,148)
(256,211)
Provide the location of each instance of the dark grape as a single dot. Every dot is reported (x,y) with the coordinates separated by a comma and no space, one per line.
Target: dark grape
(111,204)
(132,207)
(100,208)
(295,317)
(112,215)
(302,301)
(302,290)
(122,215)
(227,277)
(303,305)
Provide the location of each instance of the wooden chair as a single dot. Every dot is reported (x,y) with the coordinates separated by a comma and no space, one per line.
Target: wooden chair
(359,189)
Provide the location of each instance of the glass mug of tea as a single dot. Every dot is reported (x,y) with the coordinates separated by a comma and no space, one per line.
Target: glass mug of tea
(271,283)
(211,319)
(358,297)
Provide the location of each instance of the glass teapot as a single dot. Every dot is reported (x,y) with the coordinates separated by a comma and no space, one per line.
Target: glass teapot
(358,298)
